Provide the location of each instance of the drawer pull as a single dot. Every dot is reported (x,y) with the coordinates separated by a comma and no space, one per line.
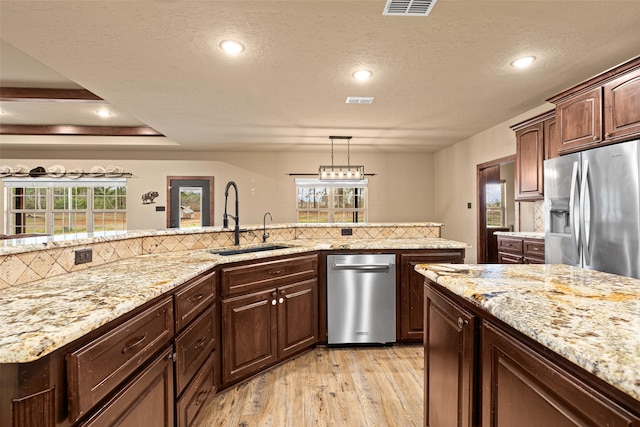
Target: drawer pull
(275,272)
(136,342)
(200,343)
(196,298)
(202,396)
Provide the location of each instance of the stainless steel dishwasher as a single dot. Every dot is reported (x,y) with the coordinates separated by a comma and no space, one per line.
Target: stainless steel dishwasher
(361,298)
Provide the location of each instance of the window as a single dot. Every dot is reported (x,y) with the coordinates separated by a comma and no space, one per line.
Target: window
(65,206)
(329,202)
(496,195)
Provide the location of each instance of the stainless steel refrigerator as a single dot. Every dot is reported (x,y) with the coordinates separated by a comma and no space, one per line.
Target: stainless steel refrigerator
(592,209)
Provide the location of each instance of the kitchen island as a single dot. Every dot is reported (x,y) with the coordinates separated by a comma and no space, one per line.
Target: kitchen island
(167,319)
(550,344)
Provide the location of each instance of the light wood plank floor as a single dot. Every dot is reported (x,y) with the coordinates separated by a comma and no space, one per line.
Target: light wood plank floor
(351,387)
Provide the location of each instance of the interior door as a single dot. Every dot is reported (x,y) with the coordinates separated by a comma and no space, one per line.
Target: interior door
(189,202)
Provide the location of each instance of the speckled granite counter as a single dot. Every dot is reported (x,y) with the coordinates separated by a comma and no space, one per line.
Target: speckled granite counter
(39,317)
(521,234)
(588,317)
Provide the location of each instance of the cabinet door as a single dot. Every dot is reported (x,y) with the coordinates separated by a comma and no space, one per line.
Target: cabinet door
(297,317)
(249,334)
(551,143)
(411,301)
(520,388)
(529,166)
(580,121)
(449,354)
(147,400)
(622,107)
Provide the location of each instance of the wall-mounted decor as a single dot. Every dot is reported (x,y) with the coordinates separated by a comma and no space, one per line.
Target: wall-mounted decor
(149,197)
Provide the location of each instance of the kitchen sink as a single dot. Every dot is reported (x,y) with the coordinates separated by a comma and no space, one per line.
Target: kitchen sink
(238,251)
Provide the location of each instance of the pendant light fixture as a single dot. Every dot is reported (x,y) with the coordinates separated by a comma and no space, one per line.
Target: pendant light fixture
(341,172)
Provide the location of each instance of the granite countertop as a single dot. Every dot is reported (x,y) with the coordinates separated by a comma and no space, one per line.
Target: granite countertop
(588,317)
(521,234)
(39,317)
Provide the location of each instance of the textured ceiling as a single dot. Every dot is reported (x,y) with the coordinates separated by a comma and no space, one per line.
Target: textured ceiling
(436,79)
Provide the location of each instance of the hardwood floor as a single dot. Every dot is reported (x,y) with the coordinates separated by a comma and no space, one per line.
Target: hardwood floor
(351,387)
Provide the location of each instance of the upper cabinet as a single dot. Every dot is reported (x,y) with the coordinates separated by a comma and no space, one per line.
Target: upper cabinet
(535,142)
(601,110)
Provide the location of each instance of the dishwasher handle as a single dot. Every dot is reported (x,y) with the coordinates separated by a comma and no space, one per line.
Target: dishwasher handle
(370,266)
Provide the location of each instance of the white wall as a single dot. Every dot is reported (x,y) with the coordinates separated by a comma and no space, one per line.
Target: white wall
(455,178)
(402,189)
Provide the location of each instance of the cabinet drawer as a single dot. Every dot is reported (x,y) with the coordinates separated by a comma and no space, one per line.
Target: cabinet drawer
(146,400)
(194,298)
(102,365)
(504,258)
(190,405)
(193,346)
(250,278)
(534,248)
(513,246)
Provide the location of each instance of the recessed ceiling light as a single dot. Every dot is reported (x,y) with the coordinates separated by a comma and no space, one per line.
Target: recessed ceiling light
(362,75)
(231,47)
(104,113)
(523,62)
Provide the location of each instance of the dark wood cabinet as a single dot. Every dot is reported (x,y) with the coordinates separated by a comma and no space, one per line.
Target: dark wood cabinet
(297,317)
(580,121)
(410,308)
(521,388)
(99,367)
(622,107)
(602,110)
(449,361)
(535,142)
(518,250)
(190,404)
(278,319)
(249,338)
(480,371)
(146,400)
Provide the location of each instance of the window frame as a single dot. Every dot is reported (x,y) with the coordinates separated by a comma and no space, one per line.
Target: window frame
(332,210)
(54,217)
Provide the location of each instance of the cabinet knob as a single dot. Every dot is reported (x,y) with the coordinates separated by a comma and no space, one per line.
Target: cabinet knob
(281,300)
(462,323)
(273,302)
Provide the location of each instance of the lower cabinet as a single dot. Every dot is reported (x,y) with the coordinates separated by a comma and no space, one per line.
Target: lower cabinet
(449,369)
(261,328)
(518,250)
(146,400)
(479,371)
(521,388)
(411,299)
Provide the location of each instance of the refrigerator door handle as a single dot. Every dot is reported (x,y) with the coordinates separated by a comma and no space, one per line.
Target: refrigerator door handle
(574,211)
(585,212)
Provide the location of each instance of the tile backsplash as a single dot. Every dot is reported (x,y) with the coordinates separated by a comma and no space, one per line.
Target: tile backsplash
(538,216)
(29,266)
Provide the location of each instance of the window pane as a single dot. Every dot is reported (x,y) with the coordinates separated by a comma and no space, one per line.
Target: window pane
(29,198)
(70,198)
(109,221)
(69,222)
(28,223)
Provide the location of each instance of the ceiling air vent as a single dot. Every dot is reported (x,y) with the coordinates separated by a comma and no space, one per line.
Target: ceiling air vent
(408,7)
(359,99)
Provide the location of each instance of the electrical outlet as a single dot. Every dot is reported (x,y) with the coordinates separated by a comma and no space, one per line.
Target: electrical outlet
(469,205)
(347,231)
(84,256)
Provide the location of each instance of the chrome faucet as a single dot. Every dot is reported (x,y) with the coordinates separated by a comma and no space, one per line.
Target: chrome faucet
(236,218)
(264,226)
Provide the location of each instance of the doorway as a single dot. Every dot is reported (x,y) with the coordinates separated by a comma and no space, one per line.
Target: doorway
(496,205)
(189,201)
